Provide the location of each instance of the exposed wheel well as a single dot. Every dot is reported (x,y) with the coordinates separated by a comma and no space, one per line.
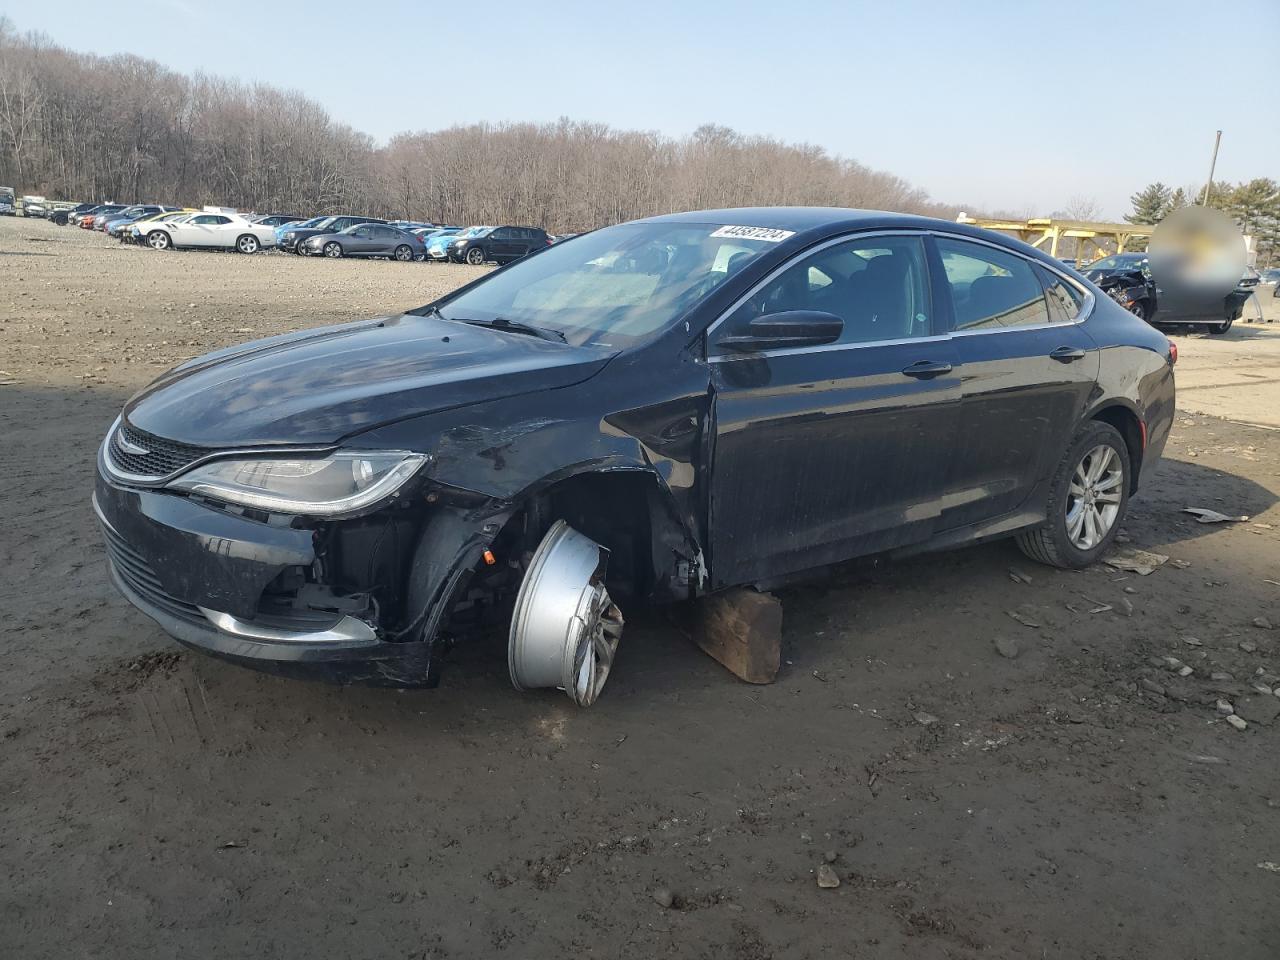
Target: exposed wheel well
(629,513)
(1127,423)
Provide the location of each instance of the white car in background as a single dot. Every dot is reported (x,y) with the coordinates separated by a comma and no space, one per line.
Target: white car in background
(213,228)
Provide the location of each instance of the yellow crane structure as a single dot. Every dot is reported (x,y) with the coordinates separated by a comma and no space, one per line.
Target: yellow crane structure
(1093,239)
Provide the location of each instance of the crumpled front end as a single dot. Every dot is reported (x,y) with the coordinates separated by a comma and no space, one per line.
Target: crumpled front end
(352,600)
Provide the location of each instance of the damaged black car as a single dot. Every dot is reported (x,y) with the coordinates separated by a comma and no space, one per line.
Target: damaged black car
(648,413)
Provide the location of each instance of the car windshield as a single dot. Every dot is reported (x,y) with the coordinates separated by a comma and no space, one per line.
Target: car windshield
(1118,263)
(612,287)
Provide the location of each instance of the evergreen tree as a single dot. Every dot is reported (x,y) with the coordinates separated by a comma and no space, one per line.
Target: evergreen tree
(1177,200)
(1149,204)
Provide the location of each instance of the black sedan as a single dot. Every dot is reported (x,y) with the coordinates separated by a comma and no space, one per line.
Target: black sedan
(653,412)
(292,238)
(366,240)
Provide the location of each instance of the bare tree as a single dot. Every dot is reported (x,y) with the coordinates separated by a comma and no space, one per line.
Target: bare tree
(123,128)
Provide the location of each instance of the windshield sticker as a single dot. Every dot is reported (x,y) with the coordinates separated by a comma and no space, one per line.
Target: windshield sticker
(766,234)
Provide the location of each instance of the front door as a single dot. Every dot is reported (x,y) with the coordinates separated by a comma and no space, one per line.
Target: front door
(362,240)
(829,452)
(1029,369)
(503,245)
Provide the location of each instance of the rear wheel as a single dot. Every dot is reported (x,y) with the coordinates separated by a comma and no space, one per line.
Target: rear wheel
(404,253)
(1140,310)
(1087,500)
(475,256)
(248,244)
(333,249)
(159,240)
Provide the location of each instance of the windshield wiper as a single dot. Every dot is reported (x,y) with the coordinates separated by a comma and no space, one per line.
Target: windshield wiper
(516,326)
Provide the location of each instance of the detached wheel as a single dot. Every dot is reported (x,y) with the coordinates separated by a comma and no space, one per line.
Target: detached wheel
(564,630)
(1141,311)
(159,240)
(404,253)
(1087,500)
(248,244)
(475,256)
(333,249)
(1223,327)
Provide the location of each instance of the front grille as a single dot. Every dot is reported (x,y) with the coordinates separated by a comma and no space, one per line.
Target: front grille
(141,579)
(163,457)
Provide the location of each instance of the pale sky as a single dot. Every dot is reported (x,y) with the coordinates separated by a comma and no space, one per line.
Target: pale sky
(1014,105)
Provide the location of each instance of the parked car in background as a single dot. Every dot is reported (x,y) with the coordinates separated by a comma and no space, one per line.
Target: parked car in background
(35,207)
(90,217)
(284,228)
(134,232)
(437,245)
(657,411)
(63,217)
(1271,275)
(498,245)
(116,224)
(6,208)
(291,240)
(277,219)
(8,201)
(366,240)
(217,231)
(1127,279)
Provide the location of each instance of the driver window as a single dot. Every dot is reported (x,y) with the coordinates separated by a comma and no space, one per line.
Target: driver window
(877,285)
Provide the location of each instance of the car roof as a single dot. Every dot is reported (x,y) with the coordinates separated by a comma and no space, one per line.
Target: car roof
(821,220)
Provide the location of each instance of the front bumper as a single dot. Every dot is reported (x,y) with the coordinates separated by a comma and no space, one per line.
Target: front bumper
(200,574)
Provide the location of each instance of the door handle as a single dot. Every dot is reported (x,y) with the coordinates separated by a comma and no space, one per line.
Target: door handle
(1067,354)
(924,369)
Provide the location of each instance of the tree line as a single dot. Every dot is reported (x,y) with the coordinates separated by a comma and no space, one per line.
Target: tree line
(124,128)
(1254,205)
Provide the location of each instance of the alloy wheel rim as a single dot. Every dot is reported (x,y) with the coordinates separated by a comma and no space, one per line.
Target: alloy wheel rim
(248,245)
(332,250)
(403,254)
(1093,497)
(474,256)
(593,660)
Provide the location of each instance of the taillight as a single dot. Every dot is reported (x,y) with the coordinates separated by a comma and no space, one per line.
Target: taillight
(1173,353)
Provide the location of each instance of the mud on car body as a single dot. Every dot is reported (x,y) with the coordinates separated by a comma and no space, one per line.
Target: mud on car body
(649,412)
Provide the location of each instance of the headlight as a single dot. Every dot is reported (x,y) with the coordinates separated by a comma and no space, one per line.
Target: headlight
(339,484)
(290,235)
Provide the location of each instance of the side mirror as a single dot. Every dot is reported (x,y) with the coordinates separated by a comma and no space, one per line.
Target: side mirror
(790,328)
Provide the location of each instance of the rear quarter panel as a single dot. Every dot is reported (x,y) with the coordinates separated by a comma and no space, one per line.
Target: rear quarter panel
(1134,370)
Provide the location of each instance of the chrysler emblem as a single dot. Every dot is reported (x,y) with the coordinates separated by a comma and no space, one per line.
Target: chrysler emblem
(131,448)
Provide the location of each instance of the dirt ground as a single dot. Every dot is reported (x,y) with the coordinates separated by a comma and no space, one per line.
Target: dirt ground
(1070,797)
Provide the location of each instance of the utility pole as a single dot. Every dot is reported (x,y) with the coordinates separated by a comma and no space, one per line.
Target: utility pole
(1204,200)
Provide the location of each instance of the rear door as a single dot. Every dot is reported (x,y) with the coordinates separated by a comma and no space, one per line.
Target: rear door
(1029,369)
(828,452)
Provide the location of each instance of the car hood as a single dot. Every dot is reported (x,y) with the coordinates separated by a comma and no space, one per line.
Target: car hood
(317,387)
